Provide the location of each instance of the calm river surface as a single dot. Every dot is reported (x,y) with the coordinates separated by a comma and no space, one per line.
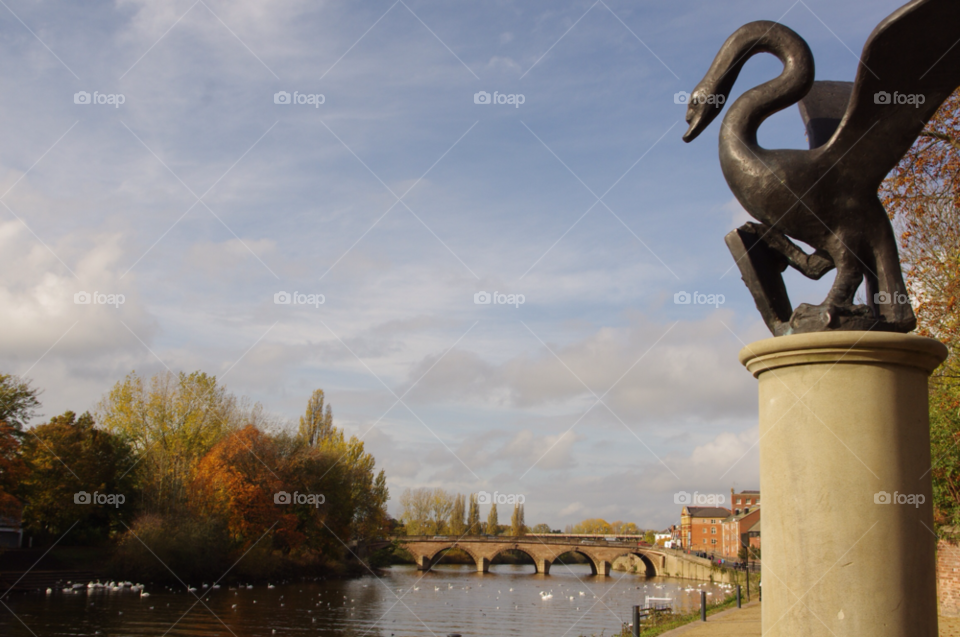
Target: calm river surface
(402,603)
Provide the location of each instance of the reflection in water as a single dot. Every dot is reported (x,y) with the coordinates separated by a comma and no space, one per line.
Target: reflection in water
(510,600)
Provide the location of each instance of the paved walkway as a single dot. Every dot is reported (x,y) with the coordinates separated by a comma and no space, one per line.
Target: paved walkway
(741,622)
(745,622)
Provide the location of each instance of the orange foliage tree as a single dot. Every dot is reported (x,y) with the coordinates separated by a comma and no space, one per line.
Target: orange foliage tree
(12,471)
(237,481)
(922,195)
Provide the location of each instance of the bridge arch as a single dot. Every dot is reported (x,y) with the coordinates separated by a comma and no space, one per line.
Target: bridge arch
(542,565)
(650,565)
(427,560)
(433,557)
(592,560)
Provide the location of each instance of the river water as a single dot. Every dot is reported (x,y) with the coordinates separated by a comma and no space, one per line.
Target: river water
(403,602)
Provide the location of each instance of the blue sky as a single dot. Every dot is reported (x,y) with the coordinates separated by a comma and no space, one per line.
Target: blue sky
(398,199)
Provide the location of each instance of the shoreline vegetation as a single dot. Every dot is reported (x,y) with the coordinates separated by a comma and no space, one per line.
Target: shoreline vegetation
(174,479)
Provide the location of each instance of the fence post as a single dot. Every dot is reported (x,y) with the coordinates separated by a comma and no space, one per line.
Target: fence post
(703,606)
(738,596)
(636,621)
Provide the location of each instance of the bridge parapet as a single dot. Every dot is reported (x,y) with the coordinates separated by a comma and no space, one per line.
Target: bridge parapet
(601,554)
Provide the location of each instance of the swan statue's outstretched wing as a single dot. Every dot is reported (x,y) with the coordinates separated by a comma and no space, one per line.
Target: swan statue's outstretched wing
(898,70)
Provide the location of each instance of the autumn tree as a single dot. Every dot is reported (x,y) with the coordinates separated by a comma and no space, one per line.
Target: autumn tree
(70,456)
(517,527)
(441,505)
(316,424)
(237,481)
(591,526)
(171,422)
(18,401)
(541,528)
(323,460)
(13,470)
(922,196)
(473,516)
(457,524)
(493,524)
(416,505)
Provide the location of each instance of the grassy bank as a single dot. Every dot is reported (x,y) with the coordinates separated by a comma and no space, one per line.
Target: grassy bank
(665,623)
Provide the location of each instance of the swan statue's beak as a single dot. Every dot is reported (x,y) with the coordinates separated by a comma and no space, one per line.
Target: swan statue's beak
(699,115)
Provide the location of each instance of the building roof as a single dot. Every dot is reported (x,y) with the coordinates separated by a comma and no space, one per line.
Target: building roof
(706,512)
(753,508)
(754,529)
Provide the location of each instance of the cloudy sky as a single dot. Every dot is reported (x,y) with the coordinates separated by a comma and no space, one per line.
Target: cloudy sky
(399,200)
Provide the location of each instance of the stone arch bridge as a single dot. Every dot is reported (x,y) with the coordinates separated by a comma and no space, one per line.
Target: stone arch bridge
(544,550)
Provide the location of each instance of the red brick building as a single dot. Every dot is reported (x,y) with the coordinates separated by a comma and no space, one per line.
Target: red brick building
(700,528)
(948,578)
(743,500)
(734,530)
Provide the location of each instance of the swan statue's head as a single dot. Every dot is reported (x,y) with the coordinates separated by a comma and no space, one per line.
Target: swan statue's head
(703,107)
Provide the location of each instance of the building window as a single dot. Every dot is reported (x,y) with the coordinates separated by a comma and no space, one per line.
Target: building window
(713,530)
(713,541)
(738,500)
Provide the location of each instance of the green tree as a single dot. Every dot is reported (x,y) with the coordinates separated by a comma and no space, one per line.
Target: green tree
(473,516)
(70,456)
(441,505)
(541,528)
(493,524)
(171,423)
(517,527)
(316,424)
(457,525)
(650,537)
(416,505)
(591,526)
(13,470)
(18,401)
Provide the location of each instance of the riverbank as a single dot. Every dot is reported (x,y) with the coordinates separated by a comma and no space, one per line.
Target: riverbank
(25,570)
(745,622)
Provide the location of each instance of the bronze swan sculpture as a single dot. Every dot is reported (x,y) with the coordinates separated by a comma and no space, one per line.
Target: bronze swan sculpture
(826,196)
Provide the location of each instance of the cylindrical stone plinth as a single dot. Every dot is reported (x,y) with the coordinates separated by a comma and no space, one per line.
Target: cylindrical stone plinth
(847,517)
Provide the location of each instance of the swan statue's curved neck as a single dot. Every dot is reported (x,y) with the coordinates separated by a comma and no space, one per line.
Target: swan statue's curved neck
(754,106)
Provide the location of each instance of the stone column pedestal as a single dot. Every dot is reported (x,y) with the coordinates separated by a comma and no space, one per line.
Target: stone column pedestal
(847,517)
